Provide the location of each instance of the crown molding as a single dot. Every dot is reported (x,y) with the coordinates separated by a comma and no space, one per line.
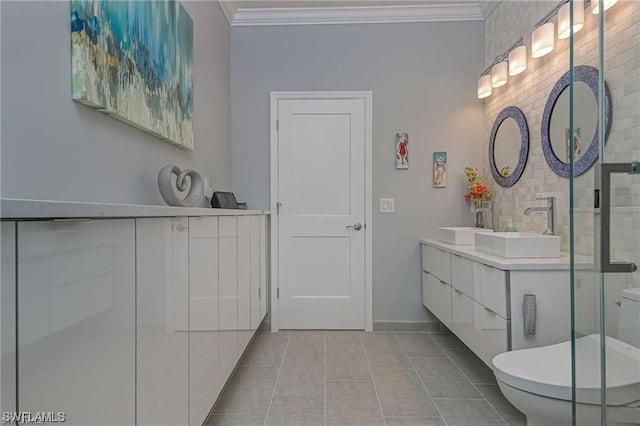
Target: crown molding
(357,15)
(488,6)
(228,9)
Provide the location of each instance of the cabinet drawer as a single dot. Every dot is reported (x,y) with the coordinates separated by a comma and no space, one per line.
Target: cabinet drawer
(462,275)
(482,330)
(436,262)
(436,296)
(494,284)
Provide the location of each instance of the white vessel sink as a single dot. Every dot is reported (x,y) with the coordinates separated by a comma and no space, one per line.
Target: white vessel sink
(518,244)
(461,235)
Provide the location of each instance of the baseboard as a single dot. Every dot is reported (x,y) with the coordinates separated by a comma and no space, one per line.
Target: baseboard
(433,326)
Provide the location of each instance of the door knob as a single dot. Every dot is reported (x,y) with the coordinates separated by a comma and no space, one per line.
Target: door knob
(357,226)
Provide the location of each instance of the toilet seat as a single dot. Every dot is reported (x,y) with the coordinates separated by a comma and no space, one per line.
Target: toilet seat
(546,371)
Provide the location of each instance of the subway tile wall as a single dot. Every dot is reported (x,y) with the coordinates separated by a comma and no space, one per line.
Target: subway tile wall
(506,23)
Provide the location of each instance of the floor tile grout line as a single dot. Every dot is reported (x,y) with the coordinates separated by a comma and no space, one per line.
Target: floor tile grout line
(275,386)
(490,404)
(420,378)
(375,388)
(325,378)
(467,377)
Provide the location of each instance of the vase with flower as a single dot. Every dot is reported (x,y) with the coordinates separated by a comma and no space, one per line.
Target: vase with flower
(477,194)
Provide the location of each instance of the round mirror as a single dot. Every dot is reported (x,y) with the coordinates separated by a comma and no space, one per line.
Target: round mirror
(557,141)
(508,146)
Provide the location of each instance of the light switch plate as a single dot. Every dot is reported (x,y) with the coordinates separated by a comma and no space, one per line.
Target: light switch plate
(387,205)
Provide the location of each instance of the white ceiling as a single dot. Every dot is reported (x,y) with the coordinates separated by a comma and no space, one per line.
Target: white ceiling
(299,12)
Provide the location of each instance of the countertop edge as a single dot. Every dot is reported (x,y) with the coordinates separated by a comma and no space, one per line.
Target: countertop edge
(547,264)
(24,209)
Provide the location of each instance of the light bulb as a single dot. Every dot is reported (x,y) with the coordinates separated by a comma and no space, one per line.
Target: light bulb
(517,60)
(484,86)
(542,40)
(499,74)
(595,5)
(564,19)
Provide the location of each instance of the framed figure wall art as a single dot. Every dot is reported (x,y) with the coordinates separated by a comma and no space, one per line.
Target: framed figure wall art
(439,169)
(402,150)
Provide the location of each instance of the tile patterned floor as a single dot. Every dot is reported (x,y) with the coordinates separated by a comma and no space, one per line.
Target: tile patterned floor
(340,378)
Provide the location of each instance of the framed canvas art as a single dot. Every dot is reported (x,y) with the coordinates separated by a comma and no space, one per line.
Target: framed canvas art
(133,60)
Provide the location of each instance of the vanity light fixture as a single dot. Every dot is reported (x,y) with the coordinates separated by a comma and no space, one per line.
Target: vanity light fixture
(484,86)
(606,4)
(517,60)
(499,74)
(542,40)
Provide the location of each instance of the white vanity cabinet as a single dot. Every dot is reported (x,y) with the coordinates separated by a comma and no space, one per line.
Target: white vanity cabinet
(468,298)
(480,297)
(137,316)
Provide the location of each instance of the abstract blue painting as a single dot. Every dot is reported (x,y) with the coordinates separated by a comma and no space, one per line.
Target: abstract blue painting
(133,60)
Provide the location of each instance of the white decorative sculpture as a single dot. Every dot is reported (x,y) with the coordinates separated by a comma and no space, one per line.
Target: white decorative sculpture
(168,190)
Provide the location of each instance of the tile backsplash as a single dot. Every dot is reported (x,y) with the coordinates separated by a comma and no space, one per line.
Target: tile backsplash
(506,23)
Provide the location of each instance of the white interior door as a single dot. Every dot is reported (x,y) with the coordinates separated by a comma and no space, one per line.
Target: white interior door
(321,221)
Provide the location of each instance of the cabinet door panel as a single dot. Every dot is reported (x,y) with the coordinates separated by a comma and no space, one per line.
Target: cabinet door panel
(244,283)
(481,329)
(436,262)
(494,284)
(77,305)
(436,296)
(162,276)
(8,317)
(254,267)
(462,275)
(204,333)
(228,294)
(264,266)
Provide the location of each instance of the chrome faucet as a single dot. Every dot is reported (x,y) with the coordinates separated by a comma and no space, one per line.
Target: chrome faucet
(550,209)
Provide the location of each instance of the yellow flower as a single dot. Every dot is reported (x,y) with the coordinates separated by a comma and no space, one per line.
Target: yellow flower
(476,190)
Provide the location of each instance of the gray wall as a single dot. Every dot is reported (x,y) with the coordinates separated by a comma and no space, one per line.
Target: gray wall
(54,148)
(423,78)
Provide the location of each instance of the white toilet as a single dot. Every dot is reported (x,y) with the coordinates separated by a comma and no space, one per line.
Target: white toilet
(537,381)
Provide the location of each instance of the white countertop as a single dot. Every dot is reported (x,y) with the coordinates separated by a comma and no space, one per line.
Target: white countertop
(11,208)
(528,264)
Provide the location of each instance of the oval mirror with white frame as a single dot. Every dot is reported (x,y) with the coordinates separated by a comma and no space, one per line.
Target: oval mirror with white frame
(557,142)
(508,146)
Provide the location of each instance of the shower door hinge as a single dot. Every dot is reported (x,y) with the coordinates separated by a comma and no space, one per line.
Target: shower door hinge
(277,125)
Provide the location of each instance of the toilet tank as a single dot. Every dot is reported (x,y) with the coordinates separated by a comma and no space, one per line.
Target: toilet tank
(630,317)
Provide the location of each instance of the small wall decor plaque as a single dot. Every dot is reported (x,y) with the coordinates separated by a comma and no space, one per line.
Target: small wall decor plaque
(439,169)
(402,150)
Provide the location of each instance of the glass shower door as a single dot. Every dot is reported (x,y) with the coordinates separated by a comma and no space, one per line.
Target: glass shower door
(605,218)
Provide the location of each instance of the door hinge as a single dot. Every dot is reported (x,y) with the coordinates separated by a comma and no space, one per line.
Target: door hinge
(277,292)
(277,125)
(278,205)
(259,293)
